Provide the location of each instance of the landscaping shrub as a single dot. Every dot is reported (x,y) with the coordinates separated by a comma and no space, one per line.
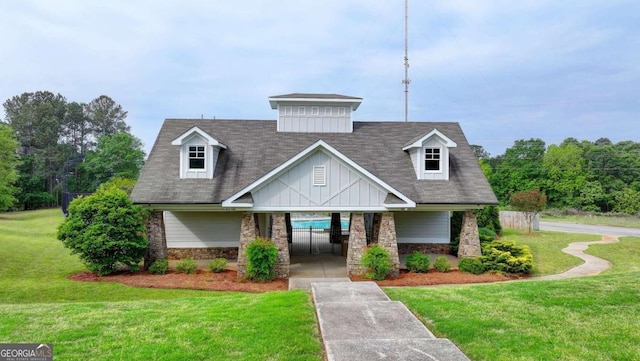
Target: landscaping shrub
(442,264)
(159,267)
(487,235)
(261,260)
(506,257)
(378,262)
(187,265)
(471,265)
(105,230)
(218,265)
(418,262)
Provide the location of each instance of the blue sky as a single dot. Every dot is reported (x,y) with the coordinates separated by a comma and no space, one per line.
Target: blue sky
(505,70)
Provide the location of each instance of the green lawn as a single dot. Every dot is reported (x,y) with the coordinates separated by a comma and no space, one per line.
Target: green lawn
(597,219)
(591,318)
(109,321)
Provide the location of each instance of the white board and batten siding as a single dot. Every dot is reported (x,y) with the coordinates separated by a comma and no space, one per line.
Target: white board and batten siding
(423,227)
(211,159)
(301,187)
(202,229)
(314,118)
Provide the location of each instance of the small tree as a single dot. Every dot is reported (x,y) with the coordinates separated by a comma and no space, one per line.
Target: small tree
(106,230)
(529,202)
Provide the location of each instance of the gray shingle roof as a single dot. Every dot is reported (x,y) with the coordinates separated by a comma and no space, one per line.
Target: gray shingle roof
(254,148)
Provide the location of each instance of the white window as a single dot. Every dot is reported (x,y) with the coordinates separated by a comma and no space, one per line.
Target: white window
(315,111)
(341,111)
(300,110)
(328,111)
(288,110)
(319,176)
(432,160)
(196,157)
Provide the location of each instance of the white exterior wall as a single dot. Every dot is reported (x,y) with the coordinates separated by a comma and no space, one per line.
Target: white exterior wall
(202,229)
(299,117)
(423,227)
(294,189)
(211,159)
(444,160)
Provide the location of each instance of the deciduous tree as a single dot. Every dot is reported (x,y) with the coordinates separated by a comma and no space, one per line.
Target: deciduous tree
(529,202)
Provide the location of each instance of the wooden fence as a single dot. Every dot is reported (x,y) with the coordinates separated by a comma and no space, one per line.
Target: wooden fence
(518,220)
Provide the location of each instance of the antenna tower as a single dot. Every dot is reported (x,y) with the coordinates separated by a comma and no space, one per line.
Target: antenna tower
(406,80)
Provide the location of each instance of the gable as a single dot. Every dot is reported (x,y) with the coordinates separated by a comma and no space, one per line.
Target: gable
(320,178)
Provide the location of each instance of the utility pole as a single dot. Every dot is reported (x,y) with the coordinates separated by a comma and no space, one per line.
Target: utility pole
(406,80)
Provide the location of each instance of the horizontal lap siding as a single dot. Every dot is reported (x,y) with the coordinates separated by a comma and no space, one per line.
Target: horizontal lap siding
(423,227)
(202,229)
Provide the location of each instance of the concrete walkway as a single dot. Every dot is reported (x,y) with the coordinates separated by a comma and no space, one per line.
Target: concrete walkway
(359,322)
(592,265)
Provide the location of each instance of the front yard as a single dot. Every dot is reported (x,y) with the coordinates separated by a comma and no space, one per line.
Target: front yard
(594,318)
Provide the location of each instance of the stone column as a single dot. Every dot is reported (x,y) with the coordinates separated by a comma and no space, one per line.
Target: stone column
(157,248)
(279,238)
(387,240)
(357,245)
(469,239)
(248,233)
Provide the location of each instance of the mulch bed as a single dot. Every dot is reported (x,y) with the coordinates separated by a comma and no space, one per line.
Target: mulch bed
(229,281)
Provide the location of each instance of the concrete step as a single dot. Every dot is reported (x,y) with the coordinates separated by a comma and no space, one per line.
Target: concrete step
(413,349)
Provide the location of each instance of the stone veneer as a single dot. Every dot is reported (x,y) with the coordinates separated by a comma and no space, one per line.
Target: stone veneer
(357,245)
(469,238)
(248,232)
(157,248)
(387,240)
(437,248)
(279,238)
(230,253)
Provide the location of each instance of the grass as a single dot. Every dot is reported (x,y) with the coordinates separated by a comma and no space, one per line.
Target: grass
(591,318)
(595,219)
(547,249)
(110,321)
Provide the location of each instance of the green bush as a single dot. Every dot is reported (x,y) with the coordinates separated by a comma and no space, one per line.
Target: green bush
(377,261)
(105,230)
(218,265)
(471,265)
(506,257)
(261,260)
(442,264)
(159,267)
(418,262)
(187,265)
(486,235)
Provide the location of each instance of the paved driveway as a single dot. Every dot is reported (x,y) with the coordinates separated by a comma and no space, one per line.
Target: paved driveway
(591,229)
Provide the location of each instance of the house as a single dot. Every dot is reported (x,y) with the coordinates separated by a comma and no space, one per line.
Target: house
(214,185)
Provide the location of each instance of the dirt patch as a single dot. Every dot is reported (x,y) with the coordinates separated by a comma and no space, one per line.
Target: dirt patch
(433,278)
(201,280)
(229,281)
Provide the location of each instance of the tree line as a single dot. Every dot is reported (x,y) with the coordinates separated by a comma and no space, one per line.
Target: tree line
(591,176)
(49,145)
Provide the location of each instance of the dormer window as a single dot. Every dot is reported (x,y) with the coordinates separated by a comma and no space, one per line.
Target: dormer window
(196,157)
(432,160)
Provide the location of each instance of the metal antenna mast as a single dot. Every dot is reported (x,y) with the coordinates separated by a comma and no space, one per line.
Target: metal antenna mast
(406,80)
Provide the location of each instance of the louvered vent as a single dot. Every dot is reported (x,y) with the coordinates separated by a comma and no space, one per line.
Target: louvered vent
(319,176)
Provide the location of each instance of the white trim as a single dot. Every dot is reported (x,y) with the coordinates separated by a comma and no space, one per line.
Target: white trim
(301,110)
(288,110)
(440,169)
(187,135)
(315,110)
(419,143)
(342,111)
(319,176)
(355,103)
(328,111)
(303,154)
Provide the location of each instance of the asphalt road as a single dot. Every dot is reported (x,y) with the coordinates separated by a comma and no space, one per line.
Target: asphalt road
(587,228)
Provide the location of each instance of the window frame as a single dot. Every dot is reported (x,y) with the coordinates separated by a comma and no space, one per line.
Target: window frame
(200,151)
(433,152)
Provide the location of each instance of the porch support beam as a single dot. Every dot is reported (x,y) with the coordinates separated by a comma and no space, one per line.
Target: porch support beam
(357,244)
(469,238)
(280,239)
(248,232)
(387,240)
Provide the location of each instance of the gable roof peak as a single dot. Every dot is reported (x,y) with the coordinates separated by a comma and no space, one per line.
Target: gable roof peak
(195,130)
(418,141)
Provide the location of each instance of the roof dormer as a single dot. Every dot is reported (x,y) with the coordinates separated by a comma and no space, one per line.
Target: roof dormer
(198,153)
(430,155)
(315,113)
